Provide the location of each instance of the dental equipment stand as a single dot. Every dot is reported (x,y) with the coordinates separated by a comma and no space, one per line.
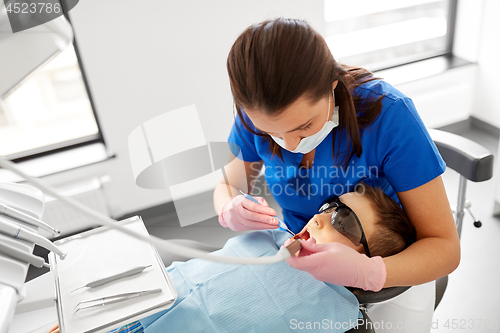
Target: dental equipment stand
(13,271)
(472,162)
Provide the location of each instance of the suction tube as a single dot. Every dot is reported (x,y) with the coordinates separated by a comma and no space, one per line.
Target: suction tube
(282,255)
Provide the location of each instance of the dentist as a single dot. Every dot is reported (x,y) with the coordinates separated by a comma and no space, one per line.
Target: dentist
(319,128)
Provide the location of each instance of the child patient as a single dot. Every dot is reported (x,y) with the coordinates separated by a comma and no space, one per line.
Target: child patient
(215,297)
(382,221)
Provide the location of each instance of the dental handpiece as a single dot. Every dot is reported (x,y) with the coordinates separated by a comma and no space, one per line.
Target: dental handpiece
(18,215)
(13,230)
(23,256)
(281,223)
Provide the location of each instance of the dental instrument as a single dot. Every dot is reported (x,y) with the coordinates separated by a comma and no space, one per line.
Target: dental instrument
(281,223)
(23,256)
(115,299)
(18,215)
(113,277)
(11,229)
(165,245)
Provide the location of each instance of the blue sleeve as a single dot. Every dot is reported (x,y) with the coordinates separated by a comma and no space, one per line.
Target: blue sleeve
(243,142)
(405,149)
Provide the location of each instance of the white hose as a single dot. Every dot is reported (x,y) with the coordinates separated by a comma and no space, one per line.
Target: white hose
(178,249)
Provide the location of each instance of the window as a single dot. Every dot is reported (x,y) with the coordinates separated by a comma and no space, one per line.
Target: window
(383,34)
(49,111)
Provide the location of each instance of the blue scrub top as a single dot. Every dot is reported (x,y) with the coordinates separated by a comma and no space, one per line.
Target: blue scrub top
(398,155)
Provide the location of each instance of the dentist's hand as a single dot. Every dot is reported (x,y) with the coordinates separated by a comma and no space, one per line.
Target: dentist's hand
(339,264)
(240,213)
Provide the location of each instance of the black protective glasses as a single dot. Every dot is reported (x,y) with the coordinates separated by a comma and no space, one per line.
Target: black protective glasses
(345,221)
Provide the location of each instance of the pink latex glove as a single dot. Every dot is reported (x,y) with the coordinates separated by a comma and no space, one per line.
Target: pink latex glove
(240,213)
(339,264)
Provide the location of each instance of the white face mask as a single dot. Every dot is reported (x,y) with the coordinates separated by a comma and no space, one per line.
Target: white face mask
(309,143)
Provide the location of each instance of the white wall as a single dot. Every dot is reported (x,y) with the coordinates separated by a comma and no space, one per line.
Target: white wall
(146,58)
(468,29)
(487,89)
(486,105)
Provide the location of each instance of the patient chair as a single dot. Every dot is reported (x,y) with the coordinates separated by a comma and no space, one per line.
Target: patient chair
(473,162)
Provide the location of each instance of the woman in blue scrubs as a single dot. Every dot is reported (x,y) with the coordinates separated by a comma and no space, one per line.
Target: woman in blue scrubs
(319,128)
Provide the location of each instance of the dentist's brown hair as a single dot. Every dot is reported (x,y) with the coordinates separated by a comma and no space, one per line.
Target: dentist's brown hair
(273,63)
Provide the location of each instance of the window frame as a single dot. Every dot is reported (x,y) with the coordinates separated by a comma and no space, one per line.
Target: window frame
(447,53)
(74,143)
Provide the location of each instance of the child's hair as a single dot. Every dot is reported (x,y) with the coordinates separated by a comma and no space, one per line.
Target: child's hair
(393,231)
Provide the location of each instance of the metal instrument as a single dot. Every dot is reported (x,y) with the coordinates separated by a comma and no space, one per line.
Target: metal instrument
(281,223)
(114,277)
(114,299)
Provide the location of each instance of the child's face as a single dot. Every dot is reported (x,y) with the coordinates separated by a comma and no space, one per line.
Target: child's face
(320,227)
